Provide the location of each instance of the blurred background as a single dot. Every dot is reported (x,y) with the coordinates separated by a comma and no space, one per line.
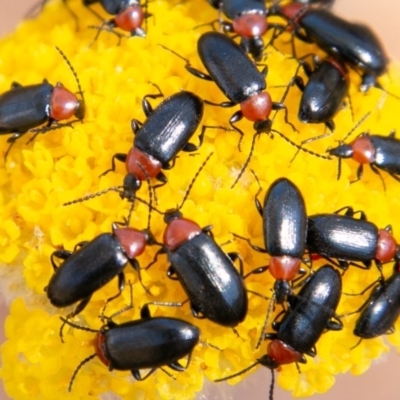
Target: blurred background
(380,382)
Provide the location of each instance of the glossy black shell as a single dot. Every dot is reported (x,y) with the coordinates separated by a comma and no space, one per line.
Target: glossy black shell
(323,94)
(25,107)
(342,237)
(355,43)
(149,343)
(311,310)
(210,280)
(87,270)
(382,310)
(234,8)
(387,150)
(170,126)
(113,7)
(230,67)
(284,220)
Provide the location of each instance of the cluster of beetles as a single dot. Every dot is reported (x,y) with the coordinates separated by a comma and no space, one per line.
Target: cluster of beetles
(214,286)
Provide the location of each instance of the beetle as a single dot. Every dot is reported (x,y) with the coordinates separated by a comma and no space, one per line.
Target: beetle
(212,283)
(311,312)
(25,108)
(94,263)
(350,240)
(355,44)
(157,142)
(129,15)
(149,342)
(207,274)
(285,231)
(380,152)
(238,78)
(249,21)
(324,93)
(382,308)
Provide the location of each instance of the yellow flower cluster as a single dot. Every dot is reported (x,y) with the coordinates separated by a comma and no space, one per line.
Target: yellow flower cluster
(65,164)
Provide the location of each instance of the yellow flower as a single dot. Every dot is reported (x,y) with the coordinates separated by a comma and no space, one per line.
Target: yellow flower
(65,164)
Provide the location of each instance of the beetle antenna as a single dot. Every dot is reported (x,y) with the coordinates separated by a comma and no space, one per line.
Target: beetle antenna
(246,163)
(126,308)
(357,125)
(243,371)
(271,386)
(73,71)
(301,147)
(82,363)
(194,179)
(174,52)
(82,328)
(117,189)
(266,321)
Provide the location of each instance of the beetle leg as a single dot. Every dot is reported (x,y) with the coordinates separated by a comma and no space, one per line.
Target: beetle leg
(80,244)
(146,106)
(196,312)
(312,352)
(15,85)
(171,164)
(172,274)
(236,117)
(190,147)
(335,325)
(138,377)
(136,125)
(136,266)
(177,367)
(61,254)
(117,156)
(198,74)
(11,140)
(208,230)
(280,106)
(155,259)
(83,303)
(121,285)
(254,247)
(236,256)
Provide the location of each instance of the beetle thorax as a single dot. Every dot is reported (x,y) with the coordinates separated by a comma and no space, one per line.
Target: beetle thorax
(141,164)
(178,231)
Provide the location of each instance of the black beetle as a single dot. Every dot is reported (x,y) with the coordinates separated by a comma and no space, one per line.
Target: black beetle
(355,44)
(212,283)
(311,312)
(381,310)
(324,93)
(238,78)
(129,15)
(350,240)
(249,21)
(92,264)
(166,131)
(24,108)
(380,152)
(285,232)
(150,342)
